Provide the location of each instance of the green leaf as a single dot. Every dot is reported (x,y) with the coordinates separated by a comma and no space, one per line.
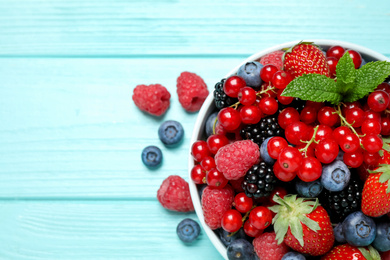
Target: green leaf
(365,253)
(381,153)
(281,227)
(386,147)
(313,225)
(367,79)
(314,87)
(297,231)
(345,71)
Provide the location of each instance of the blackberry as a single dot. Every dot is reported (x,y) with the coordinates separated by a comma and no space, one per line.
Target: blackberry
(259,181)
(267,127)
(341,203)
(222,100)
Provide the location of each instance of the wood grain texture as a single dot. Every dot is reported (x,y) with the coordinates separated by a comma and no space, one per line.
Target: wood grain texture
(120,27)
(95,230)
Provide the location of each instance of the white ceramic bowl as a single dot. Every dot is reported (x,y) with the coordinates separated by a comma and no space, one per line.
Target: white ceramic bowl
(208,107)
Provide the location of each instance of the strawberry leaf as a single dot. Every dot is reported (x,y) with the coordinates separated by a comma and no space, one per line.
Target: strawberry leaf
(365,253)
(386,147)
(374,254)
(314,87)
(345,70)
(297,231)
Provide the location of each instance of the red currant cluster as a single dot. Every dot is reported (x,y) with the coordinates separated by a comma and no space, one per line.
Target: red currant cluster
(333,55)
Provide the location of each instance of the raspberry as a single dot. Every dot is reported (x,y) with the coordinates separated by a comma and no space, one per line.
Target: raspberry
(235,159)
(174,194)
(214,204)
(275,58)
(192,91)
(153,99)
(267,248)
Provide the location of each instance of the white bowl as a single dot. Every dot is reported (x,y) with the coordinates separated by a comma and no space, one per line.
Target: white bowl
(208,107)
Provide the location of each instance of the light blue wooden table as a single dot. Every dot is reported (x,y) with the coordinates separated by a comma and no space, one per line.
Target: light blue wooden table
(72,185)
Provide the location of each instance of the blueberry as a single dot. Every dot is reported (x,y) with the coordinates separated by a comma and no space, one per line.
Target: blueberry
(151,156)
(358,229)
(338,233)
(340,156)
(171,133)
(188,230)
(335,176)
(382,239)
(227,238)
(241,249)
(210,124)
(250,72)
(293,256)
(308,189)
(264,152)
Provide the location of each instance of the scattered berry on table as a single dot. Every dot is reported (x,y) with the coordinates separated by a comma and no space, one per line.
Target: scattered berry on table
(259,181)
(171,133)
(359,229)
(222,100)
(274,58)
(240,249)
(174,194)
(235,159)
(188,230)
(250,72)
(267,247)
(153,99)
(293,256)
(382,239)
(152,156)
(192,91)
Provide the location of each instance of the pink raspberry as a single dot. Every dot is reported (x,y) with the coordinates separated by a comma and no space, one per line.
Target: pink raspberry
(153,99)
(174,194)
(235,159)
(274,58)
(192,91)
(215,202)
(267,248)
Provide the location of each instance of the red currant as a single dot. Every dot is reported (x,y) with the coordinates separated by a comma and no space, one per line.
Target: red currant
(310,170)
(385,126)
(290,159)
(282,175)
(350,105)
(231,220)
(335,51)
(349,143)
(371,158)
(309,150)
(308,115)
(284,100)
(267,72)
(378,101)
(356,58)
(296,132)
(247,96)
(281,79)
(260,217)
(250,114)
(269,92)
(316,105)
(355,116)
(371,126)
(229,118)
(327,116)
(216,179)
(340,132)
(251,231)
(369,114)
(198,174)
(384,87)
(215,142)
(353,159)
(288,116)
(372,143)
(268,105)
(199,150)
(275,145)
(280,191)
(332,63)
(323,132)
(327,150)
(233,85)
(243,203)
(208,163)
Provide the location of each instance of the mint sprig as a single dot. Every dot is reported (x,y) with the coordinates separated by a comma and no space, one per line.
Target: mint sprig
(350,85)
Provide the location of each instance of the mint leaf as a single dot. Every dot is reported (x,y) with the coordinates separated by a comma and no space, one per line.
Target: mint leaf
(314,87)
(367,79)
(345,71)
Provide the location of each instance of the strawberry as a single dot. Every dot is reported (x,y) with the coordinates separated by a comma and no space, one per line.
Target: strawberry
(305,58)
(303,225)
(348,252)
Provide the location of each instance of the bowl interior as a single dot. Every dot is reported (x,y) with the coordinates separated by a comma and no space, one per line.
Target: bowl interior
(209,107)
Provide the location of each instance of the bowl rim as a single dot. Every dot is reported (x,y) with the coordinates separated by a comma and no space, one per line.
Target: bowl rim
(208,106)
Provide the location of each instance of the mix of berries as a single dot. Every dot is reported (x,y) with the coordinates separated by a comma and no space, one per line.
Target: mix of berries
(302,175)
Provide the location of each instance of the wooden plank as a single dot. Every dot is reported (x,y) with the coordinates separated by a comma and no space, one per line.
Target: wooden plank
(95,230)
(69,129)
(118,28)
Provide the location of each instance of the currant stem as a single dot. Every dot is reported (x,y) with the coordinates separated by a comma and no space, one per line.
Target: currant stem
(258,94)
(215,123)
(310,142)
(344,121)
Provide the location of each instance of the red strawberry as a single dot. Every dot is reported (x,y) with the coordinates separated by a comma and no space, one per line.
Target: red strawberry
(267,248)
(305,58)
(348,252)
(303,225)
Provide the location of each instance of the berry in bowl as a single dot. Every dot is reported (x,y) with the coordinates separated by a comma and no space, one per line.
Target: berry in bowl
(290,154)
